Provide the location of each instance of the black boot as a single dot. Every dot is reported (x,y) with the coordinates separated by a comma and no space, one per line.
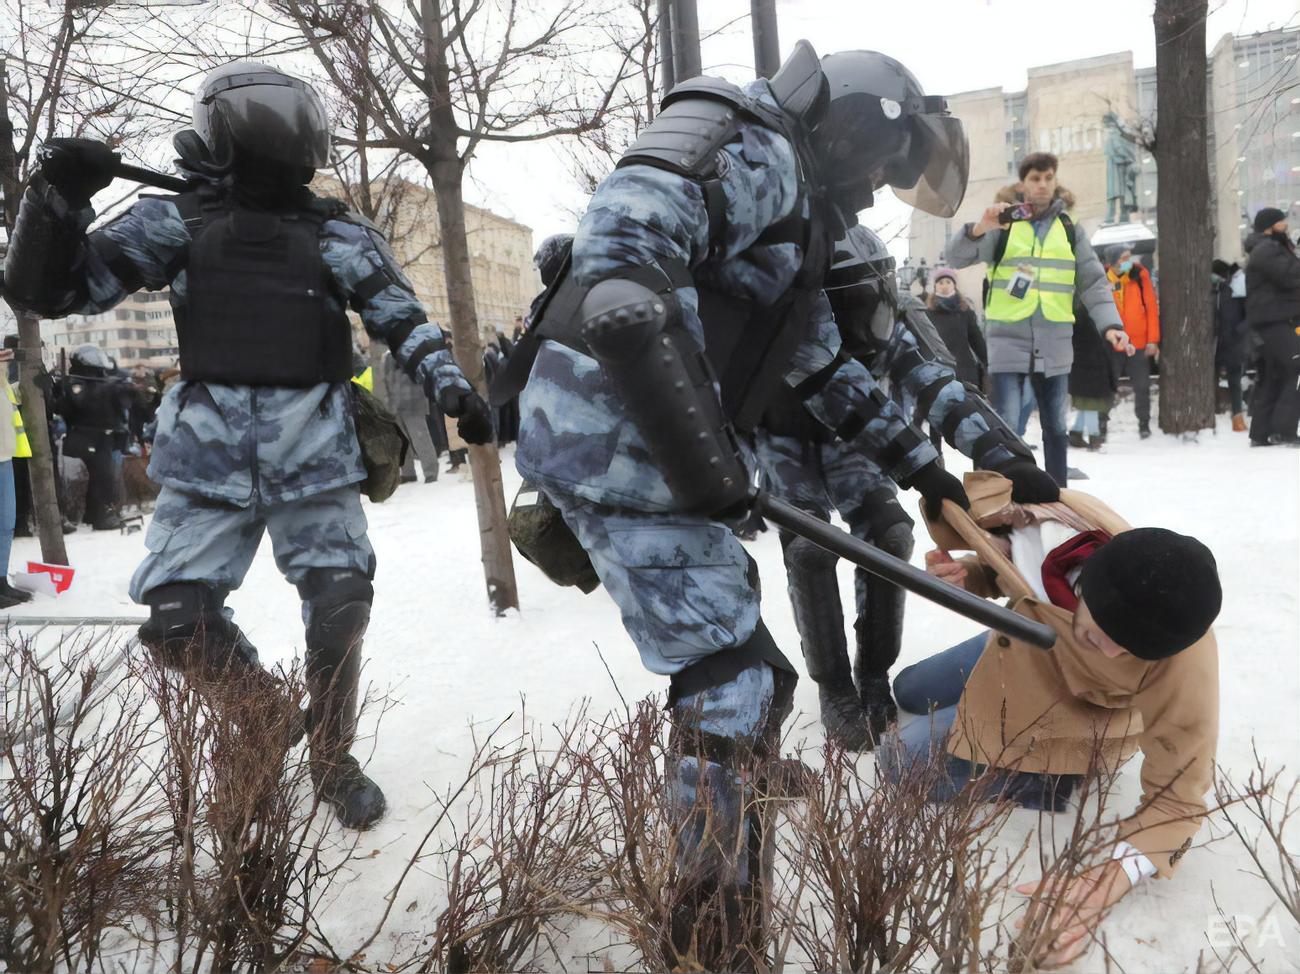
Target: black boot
(338,613)
(879,632)
(1076,439)
(10,596)
(819,617)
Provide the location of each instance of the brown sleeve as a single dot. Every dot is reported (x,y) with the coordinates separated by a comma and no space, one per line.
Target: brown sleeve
(980,579)
(1180,717)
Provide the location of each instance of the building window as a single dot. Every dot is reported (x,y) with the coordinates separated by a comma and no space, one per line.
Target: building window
(141,315)
(121,314)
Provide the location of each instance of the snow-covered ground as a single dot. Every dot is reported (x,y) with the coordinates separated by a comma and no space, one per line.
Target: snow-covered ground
(448,665)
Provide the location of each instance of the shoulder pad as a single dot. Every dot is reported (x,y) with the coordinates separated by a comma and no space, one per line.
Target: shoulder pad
(800,87)
(698,118)
(330,208)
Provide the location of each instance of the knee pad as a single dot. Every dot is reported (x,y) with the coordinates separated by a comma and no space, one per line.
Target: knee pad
(338,602)
(895,538)
(801,555)
(181,613)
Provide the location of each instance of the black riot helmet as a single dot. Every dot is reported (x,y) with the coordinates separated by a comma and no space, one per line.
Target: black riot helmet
(861,290)
(89,361)
(245,110)
(881,129)
(551,255)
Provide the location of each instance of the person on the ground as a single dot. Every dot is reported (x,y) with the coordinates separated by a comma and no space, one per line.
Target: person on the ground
(1135,297)
(409,402)
(259,435)
(804,464)
(1038,269)
(1228,291)
(13,443)
(1273,310)
(1092,384)
(1135,668)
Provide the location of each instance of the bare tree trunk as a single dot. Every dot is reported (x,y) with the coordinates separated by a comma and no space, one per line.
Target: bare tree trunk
(767,48)
(1186,237)
(446,170)
(45,504)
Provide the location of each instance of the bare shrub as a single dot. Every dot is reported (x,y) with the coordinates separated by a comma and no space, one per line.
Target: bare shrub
(246,867)
(81,821)
(880,878)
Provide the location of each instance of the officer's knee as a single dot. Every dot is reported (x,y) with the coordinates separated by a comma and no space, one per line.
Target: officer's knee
(176,610)
(338,602)
(895,538)
(801,555)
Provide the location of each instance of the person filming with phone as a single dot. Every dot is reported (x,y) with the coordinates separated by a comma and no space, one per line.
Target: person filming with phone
(1039,267)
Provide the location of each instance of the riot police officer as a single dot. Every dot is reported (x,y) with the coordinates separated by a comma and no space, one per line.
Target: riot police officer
(95,403)
(805,464)
(259,433)
(694,292)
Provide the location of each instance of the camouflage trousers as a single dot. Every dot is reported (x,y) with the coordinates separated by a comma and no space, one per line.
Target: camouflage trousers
(683,584)
(824,477)
(198,539)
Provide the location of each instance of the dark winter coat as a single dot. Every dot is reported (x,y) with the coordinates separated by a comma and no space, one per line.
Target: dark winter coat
(1272,282)
(1230,327)
(1092,375)
(960,331)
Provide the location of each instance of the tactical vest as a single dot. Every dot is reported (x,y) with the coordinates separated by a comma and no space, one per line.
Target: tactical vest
(1050,259)
(749,345)
(254,311)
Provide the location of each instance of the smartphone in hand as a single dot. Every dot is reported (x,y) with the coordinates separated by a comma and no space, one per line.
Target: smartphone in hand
(1016,212)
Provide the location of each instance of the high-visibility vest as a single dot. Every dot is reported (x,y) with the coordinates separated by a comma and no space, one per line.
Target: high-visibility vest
(23,447)
(365,379)
(1052,261)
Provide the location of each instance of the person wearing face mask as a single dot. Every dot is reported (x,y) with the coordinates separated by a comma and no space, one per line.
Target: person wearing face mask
(1135,298)
(1135,668)
(959,327)
(1273,310)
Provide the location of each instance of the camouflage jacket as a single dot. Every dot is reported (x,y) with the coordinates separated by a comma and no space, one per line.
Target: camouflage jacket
(574,435)
(253,444)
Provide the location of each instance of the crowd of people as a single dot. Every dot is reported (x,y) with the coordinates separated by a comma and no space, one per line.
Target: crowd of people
(1044,350)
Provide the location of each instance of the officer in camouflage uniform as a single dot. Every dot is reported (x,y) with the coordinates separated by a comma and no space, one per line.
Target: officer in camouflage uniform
(710,241)
(258,435)
(805,465)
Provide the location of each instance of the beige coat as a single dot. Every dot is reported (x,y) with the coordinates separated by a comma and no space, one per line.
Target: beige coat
(1037,710)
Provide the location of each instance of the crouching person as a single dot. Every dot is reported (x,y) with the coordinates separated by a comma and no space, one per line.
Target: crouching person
(1135,667)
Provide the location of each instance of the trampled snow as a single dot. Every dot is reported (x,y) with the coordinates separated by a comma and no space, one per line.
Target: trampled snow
(447,665)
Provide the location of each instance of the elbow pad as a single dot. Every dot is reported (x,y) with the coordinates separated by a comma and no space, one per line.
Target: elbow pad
(43,248)
(668,390)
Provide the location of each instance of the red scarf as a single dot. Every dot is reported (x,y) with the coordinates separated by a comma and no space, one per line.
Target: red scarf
(1062,560)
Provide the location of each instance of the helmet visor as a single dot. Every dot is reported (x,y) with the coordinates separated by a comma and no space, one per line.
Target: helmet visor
(940,153)
(275,117)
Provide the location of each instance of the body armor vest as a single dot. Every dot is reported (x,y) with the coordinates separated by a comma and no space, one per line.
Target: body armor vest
(254,311)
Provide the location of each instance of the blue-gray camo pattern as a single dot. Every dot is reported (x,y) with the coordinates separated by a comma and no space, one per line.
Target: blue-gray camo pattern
(259,445)
(575,437)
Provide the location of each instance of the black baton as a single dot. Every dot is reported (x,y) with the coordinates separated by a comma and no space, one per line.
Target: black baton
(902,573)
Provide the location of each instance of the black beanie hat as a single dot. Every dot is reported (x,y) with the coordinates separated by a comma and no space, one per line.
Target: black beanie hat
(1155,592)
(1266,217)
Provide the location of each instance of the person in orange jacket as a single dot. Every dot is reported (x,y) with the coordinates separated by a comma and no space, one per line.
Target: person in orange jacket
(1135,297)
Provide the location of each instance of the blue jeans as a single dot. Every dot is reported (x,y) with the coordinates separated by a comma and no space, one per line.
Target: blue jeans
(932,688)
(1087,422)
(8,514)
(1053,395)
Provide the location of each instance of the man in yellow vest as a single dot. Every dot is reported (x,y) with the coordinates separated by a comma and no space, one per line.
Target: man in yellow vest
(1039,267)
(13,445)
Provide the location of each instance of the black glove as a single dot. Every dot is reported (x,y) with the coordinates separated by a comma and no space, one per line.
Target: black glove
(78,168)
(473,416)
(937,485)
(1030,484)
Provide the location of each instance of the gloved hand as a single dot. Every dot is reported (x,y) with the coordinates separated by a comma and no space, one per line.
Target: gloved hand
(473,416)
(937,485)
(1030,484)
(77,168)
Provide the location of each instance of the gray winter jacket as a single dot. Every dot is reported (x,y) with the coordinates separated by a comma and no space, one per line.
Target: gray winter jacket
(1039,345)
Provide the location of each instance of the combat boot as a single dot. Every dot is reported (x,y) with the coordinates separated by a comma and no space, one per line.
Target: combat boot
(338,611)
(819,617)
(879,632)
